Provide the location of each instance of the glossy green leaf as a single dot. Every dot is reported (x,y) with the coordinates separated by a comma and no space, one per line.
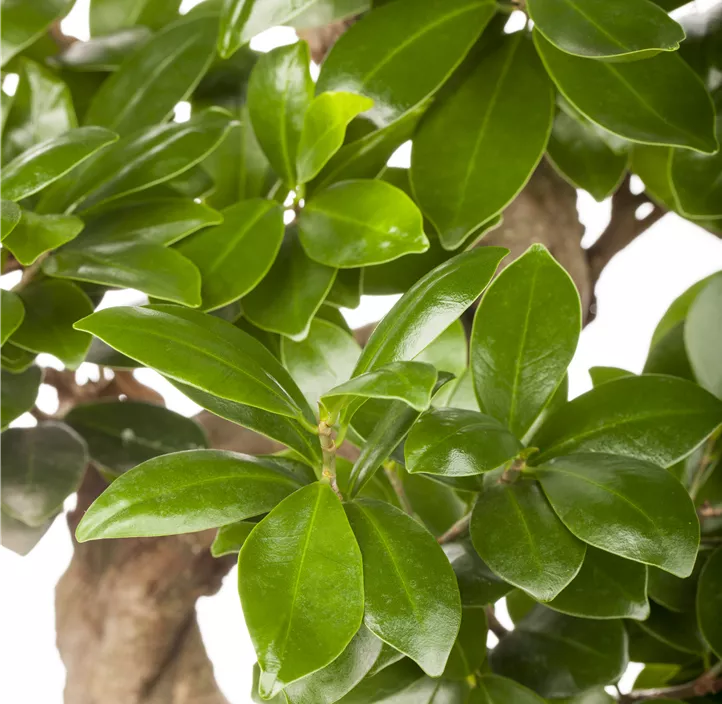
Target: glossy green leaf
(251,232)
(669,356)
(280,91)
(411,597)
(159,272)
(469,651)
(42,466)
(651,417)
(626,506)
(11,315)
(492,689)
(321,361)
(516,533)
(229,539)
(416,46)
(672,592)
(703,336)
(185,492)
(37,234)
(202,351)
(286,567)
(19,537)
(23,22)
(475,150)
(291,293)
(104,53)
(121,435)
(457,443)
(679,631)
(561,656)
(656,101)
(606,28)
(478,585)
(324,128)
(148,85)
(46,162)
(601,375)
(11,215)
(18,393)
(361,223)
(709,602)
(448,352)
(107,16)
(51,308)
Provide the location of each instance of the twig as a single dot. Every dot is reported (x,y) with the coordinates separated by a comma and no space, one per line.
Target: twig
(708,683)
(461,527)
(495,626)
(398,486)
(707,510)
(328,449)
(708,459)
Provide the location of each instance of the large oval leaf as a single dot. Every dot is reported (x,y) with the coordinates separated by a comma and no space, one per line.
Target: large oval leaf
(475,150)
(185,492)
(18,393)
(411,597)
(703,336)
(709,602)
(286,569)
(626,506)
(37,234)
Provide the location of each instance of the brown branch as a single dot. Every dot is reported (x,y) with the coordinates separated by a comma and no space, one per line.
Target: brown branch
(495,626)
(461,527)
(708,683)
(707,510)
(398,486)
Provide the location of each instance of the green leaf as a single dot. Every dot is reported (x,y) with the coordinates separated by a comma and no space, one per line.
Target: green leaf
(23,23)
(121,435)
(656,101)
(560,656)
(280,91)
(11,315)
(652,164)
(291,293)
(703,336)
(608,29)
(626,506)
(583,157)
(601,375)
(709,602)
(492,689)
(19,537)
(669,356)
(360,223)
(448,352)
(229,539)
(411,597)
(650,417)
(678,631)
(672,592)
(107,16)
(148,85)
(606,587)
(251,232)
(186,492)
(18,393)
(202,351)
(456,443)
(51,308)
(42,466)
(478,585)
(103,54)
(417,44)
(301,582)
(469,651)
(11,215)
(517,534)
(525,334)
(341,676)
(324,128)
(37,234)
(410,382)
(476,150)
(322,361)
(16,359)
(150,268)
(46,162)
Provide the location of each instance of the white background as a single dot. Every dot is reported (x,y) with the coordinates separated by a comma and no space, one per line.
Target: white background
(633,293)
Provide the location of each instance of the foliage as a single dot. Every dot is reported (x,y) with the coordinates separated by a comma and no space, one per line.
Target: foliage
(473,477)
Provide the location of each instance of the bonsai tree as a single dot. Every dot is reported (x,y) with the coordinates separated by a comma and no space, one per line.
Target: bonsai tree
(381,489)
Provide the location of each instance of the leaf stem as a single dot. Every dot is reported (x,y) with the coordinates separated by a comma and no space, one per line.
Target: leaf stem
(708,683)
(328,449)
(398,486)
(706,463)
(461,527)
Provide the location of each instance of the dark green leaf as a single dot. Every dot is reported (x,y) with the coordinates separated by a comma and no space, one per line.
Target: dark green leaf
(105,53)
(517,534)
(11,215)
(469,651)
(703,336)
(252,232)
(478,585)
(709,602)
(492,689)
(475,150)
(411,597)
(626,506)
(11,314)
(672,592)
(229,539)
(37,234)
(19,537)
(18,393)
(679,631)
(16,359)
(286,569)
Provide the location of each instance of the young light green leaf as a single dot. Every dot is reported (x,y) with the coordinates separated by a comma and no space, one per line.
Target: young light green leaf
(656,101)
(280,91)
(417,45)
(251,232)
(42,466)
(493,137)
(160,272)
(525,333)
(361,223)
(606,29)
(11,314)
(703,336)
(46,162)
(457,443)
(411,598)
(492,689)
(184,492)
(18,393)
(11,215)
(516,533)
(286,567)
(709,602)
(626,506)
(37,234)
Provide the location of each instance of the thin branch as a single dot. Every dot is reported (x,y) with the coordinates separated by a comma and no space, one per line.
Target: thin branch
(459,529)
(495,626)
(707,510)
(398,486)
(710,455)
(708,683)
